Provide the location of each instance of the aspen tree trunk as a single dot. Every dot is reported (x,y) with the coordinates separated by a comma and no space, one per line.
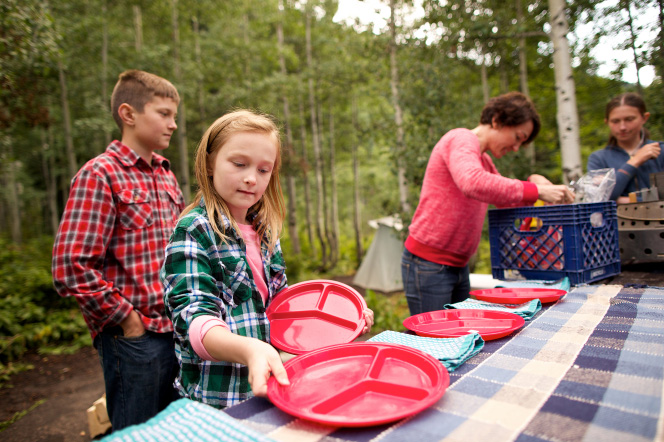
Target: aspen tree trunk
(104,68)
(48,171)
(567,116)
(52,183)
(138,29)
(627,5)
(72,167)
(357,223)
(316,141)
(199,78)
(523,77)
(485,80)
(398,116)
(11,192)
(305,181)
(334,231)
(288,151)
(323,173)
(182,115)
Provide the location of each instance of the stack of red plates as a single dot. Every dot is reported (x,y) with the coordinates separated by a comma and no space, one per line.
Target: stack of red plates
(518,295)
(489,324)
(335,381)
(314,314)
(360,384)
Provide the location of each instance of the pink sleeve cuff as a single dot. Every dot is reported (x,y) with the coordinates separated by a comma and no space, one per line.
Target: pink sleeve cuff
(530,192)
(197,331)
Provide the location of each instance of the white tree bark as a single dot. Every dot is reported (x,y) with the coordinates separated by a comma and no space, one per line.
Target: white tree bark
(182,115)
(398,115)
(567,114)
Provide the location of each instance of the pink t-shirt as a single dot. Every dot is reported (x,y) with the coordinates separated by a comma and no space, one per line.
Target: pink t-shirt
(459,184)
(254,258)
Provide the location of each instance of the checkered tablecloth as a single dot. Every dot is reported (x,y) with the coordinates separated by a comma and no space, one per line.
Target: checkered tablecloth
(588,368)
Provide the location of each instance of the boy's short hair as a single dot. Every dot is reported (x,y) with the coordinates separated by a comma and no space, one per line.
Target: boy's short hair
(137,88)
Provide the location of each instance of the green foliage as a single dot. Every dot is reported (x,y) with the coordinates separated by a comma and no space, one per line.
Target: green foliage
(32,315)
(389,311)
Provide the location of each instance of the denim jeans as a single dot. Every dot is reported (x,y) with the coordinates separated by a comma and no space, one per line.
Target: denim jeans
(429,286)
(138,374)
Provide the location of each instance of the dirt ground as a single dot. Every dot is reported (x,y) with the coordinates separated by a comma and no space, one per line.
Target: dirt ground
(67,384)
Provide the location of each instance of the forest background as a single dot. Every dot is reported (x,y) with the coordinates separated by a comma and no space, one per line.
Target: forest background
(360,108)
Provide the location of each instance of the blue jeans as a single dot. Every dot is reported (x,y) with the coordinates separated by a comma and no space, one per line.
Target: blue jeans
(429,286)
(138,374)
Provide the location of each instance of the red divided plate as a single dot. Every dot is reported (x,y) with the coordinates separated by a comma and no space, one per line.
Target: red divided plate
(314,314)
(489,324)
(359,384)
(518,295)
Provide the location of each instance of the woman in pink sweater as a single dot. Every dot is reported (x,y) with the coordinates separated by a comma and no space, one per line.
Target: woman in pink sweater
(459,183)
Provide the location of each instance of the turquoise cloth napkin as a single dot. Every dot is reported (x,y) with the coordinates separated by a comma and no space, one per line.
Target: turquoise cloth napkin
(526,310)
(562,284)
(188,420)
(452,352)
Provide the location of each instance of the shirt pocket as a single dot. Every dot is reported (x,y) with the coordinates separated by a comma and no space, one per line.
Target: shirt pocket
(175,203)
(134,209)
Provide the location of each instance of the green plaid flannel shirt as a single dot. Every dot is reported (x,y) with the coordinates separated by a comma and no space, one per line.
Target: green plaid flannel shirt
(203,276)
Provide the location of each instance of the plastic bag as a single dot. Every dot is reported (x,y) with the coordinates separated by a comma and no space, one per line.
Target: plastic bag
(595,186)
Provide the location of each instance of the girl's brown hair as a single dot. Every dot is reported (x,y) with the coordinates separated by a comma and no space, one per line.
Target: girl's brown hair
(626,99)
(270,210)
(511,109)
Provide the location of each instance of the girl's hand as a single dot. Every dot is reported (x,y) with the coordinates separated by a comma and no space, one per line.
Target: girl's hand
(555,194)
(645,153)
(263,362)
(368,319)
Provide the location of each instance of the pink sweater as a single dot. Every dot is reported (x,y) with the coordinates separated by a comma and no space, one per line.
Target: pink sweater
(459,184)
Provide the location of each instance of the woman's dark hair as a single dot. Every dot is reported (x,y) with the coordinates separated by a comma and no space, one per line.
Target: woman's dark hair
(626,99)
(511,109)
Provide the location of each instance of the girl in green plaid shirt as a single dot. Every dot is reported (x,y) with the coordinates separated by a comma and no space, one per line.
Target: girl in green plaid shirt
(224,264)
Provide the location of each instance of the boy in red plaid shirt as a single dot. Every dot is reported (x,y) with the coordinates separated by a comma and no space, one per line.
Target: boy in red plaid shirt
(122,208)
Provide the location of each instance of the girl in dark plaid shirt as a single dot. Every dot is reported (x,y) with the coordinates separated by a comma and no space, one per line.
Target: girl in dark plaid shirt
(224,264)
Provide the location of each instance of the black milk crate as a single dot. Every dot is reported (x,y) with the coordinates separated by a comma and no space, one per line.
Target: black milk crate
(579,241)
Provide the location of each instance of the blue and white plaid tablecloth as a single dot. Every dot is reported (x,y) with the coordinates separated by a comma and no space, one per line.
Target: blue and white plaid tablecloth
(588,368)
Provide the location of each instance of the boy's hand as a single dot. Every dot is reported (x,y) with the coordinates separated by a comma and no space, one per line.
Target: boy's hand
(132,326)
(368,319)
(264,361)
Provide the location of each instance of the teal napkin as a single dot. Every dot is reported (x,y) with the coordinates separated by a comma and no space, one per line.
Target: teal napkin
(526,310)
(562,284)
(192,421)
(452,352)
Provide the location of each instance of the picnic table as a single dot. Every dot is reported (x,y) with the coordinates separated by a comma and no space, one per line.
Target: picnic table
(589,367)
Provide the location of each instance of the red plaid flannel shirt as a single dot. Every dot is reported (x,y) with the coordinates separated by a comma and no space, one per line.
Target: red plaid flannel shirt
(110,245)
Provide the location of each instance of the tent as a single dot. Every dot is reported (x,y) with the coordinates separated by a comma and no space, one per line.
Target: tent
(381,267)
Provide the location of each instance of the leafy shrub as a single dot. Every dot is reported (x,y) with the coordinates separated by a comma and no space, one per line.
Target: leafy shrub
(389,311)
(32,315)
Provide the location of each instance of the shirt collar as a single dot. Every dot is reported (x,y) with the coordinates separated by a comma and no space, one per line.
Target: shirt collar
(130,158)
(225,222)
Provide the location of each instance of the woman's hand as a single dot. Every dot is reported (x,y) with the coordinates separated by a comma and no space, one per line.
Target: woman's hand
(368,319)
(555,193)
(645,153)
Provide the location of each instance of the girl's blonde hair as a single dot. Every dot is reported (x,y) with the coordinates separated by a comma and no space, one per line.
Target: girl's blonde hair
(269,211)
